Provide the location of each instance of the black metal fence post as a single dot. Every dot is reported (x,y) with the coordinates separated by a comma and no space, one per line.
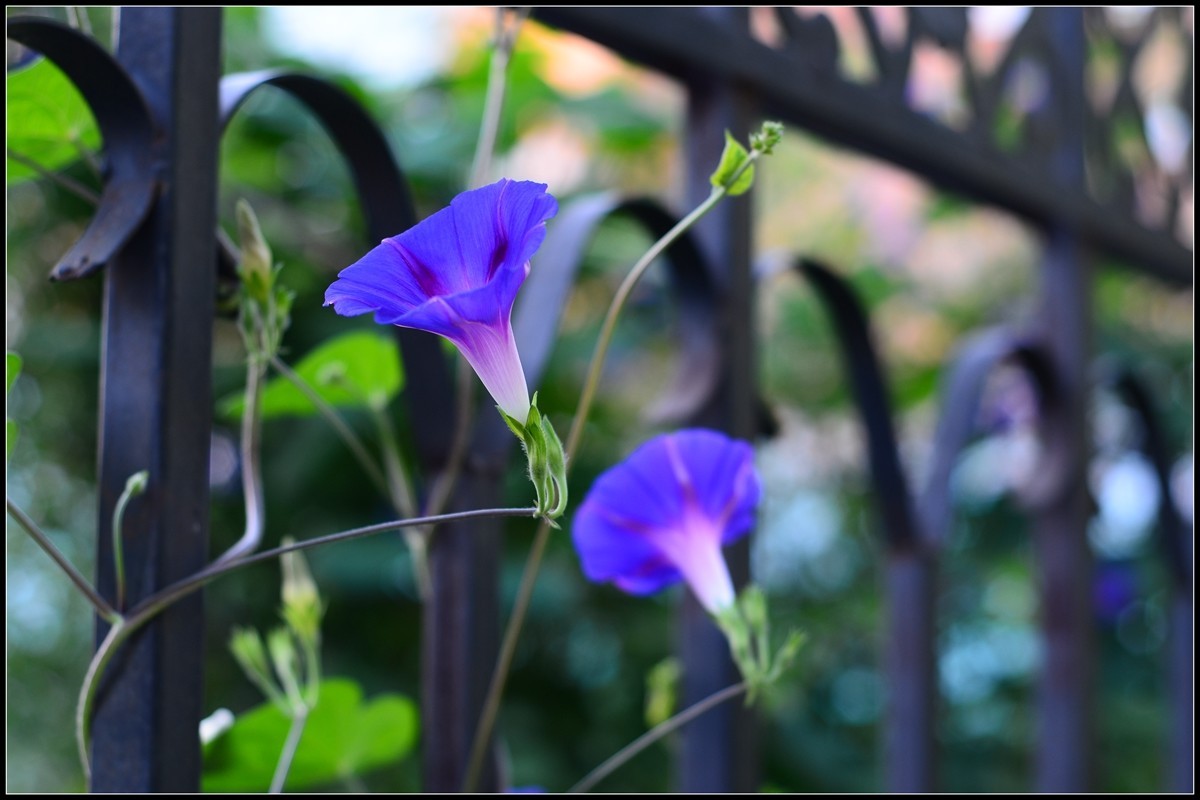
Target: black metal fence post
(910,577)
(156,409)
(1064,727)
(460,636)
(719,749)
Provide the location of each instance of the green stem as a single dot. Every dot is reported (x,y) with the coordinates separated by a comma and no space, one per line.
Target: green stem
(262,679)
(106,611)
(505,39)
(351,440)
(133,487)
(512,632)
(91,681)
(399,489)
(165,597)
(153,605)
(312,672)
(599,355)
(401,495)
(72,186)
(88,157)
(651,736)
(77,16)
(252,490)
(290,746)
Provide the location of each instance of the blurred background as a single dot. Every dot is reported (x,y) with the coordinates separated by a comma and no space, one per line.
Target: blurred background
(931,268)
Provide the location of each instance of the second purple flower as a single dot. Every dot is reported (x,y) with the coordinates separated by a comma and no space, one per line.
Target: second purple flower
(665,512)
(457,274)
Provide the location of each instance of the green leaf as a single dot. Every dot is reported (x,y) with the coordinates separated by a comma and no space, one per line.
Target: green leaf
(47,119)
(359,368)
(732,159)
(662,691)
(343,736)
(12,368)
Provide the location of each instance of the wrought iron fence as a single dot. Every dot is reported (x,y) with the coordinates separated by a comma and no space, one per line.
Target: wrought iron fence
(161,105)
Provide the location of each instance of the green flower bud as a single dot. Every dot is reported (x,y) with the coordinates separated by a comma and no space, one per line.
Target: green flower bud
(136,484)
(255,267)
(547,461)
(302,608)
(768,136)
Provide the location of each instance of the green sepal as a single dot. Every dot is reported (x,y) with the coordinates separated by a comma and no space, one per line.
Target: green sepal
(546,460)
(517,428)
(747,628)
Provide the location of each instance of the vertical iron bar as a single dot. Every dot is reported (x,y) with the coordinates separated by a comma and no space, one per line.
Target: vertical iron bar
(156,410)
(910,577)
(1181,692)
(719,752)
(910,586)
(1181,776)
(460,636)
(1064,692)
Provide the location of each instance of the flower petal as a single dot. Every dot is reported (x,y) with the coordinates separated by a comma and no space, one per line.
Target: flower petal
(492,353)
(381,281)
(726,485)
(483,233)
(640,490)
(664,512)
(611,549)
(474,253)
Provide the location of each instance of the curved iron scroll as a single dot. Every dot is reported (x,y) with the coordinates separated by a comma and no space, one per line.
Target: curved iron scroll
(1172,541)
(387,208)
(1176,551)
(871,398)
(378,179)
(960,409)
(128,130)
(914,540)
(909,579)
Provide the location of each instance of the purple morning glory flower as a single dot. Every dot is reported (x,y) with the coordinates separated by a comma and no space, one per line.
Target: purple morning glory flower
(664,513)
(456,274)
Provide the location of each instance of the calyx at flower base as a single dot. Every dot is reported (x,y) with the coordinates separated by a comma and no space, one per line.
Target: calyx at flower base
(547,462)
(746,627)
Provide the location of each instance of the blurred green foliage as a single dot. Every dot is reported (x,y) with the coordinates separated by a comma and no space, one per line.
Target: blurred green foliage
(46,121)
(344,738)
(577,693)
(359,368)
